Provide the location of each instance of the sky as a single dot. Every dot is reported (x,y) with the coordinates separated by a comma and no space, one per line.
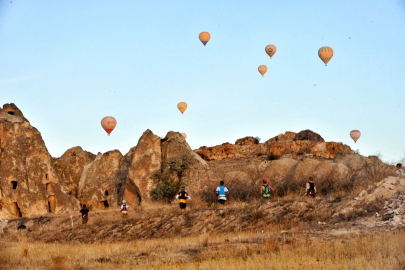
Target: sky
(67,64)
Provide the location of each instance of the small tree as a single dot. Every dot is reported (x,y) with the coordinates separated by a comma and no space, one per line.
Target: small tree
(169,182)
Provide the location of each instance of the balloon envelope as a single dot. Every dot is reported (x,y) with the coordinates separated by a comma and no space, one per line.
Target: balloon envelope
(271,50)
(182,106)
(184,135)
(262,69)
(204,37)
(355,135)
(325,53)
(108,123)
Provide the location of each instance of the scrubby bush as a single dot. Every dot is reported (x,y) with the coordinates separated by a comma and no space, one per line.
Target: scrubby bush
(169,182)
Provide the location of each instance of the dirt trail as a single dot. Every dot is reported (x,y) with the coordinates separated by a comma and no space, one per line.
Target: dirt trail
(284,217)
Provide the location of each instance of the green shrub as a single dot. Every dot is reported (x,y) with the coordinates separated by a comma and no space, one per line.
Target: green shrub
(169,182)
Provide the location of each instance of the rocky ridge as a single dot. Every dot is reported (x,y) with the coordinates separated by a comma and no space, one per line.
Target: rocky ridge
(60,185)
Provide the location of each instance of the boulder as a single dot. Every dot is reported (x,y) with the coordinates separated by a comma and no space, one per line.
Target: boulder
(247,141)
(308,135)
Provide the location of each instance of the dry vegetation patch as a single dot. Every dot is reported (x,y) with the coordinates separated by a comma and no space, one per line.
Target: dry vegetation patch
(286,250)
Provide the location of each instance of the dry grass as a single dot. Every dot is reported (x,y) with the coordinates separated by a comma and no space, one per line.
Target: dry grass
(230,251)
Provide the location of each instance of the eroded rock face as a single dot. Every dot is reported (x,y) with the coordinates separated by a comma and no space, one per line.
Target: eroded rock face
(39,184)
(102,180)
(70,166)
(29,183)
(147,158)
(292,145)
(200,174)
(230,151)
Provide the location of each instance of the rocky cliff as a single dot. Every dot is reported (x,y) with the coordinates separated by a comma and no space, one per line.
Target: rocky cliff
(29,183)
(32,183)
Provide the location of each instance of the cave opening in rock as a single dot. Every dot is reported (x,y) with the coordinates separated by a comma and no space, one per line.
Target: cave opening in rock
(51,204)
(106,193)
(119,188)
(11,113)
(14,184)
(17,211)
(132,194)
(46,186)
(46,176)
(104,205)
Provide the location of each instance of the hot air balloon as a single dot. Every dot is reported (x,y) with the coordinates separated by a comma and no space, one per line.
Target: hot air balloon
(262,69)
(325,53)
(108,123)
(182,106)
(184,135)
(204,37)
(271,50)
(355,135)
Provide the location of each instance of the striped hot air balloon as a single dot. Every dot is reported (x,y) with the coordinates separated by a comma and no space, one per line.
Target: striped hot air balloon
(108,123)
(355,135)
(325,53)
(262,69)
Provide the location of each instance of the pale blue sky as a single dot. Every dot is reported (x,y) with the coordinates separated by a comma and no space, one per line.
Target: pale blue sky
(67,64)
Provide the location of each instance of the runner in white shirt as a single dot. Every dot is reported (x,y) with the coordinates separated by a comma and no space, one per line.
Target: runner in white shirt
(222,193)
(400,172)
(124,208)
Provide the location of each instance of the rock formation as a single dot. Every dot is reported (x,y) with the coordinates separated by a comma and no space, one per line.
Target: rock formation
(29,183)
(303,144)
(32,183)
(247,140)
(70,167)
(146,159)
(100,182)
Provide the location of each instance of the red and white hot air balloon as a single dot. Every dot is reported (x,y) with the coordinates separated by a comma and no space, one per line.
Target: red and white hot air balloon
(108,123)
(355,135)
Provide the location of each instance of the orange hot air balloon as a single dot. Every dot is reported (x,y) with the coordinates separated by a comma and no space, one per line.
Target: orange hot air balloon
(262,69)
(270,50)
(108,123)
(204,37)
(182,106)
(325,53)
(355,135)
(184,135)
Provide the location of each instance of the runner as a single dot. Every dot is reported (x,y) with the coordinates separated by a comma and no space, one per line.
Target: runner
(85,214)
(310,188)
(266,190)
(22,226)
(183,197)
(400,172)
(124,208)
(222,193)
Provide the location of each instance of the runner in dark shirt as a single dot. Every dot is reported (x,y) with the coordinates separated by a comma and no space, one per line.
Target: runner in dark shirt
(85,214)
(22,226)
